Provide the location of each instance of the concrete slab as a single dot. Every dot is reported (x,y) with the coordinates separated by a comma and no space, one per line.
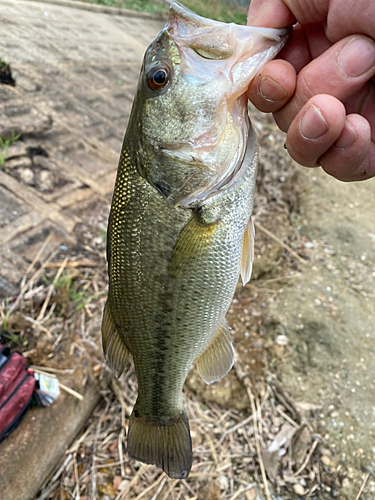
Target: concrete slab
(76,68)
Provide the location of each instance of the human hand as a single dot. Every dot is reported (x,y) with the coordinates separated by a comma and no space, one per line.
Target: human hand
(322,90)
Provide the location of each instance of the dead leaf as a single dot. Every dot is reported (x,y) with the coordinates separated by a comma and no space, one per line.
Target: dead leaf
(277,449)
(210,492)
(301,444)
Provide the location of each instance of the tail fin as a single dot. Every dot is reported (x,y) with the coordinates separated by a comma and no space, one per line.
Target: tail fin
(167,444)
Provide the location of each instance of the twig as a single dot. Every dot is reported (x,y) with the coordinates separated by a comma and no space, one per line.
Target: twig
(95,447)
(120,452)
(290,420)
(61,469)
(36,258)
(238,493)
(287,247)
(149,488)
(362,485)
(236,427)
(65,388)
(308,456)
(154,497)
(77,495)
(243,377)
(75,263)
(280,278)
(125,491)
(50,369)
(47,492)
(170,489)
(71,391)
(31,280)
(51,289)
(75,446)
(314,488)
(36,323)
(41,371)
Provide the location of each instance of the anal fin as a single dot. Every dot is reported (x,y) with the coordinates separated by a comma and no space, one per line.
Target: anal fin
(216,361)
(247,257)
(115,351)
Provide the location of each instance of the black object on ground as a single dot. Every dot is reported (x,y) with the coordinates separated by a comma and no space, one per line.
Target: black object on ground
(6,77)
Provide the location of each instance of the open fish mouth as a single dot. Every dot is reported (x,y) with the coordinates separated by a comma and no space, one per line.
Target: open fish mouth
(213,65)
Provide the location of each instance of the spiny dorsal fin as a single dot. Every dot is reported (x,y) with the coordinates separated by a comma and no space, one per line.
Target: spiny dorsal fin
(216,361)
(247,258)
(115,351)
(192,244)
(166,444)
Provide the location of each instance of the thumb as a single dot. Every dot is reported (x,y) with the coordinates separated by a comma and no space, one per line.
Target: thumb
(270,14)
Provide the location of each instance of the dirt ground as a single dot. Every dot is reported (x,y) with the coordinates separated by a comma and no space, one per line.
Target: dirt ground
(328,315)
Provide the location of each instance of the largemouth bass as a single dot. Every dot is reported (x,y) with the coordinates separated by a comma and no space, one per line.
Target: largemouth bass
(179,232)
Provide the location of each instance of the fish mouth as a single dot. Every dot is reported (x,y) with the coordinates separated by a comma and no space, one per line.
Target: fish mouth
(215,62)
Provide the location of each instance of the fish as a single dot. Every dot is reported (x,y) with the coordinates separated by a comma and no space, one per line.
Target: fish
(179,231)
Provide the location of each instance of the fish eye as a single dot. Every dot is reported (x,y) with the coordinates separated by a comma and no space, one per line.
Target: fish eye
(157,77)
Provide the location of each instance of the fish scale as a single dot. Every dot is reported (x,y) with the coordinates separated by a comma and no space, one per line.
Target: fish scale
(179,233)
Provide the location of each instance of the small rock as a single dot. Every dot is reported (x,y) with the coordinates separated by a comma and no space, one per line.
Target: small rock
(45,180)
(223,483)
(282,340)
(251,494)
(299,489)
(97,368)
(325,460)
(27,175)
(346,483)
(117,480)
(123,484)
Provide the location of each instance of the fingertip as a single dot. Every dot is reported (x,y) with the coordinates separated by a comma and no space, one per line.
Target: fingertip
(348,158)
(315,129)
(273,86)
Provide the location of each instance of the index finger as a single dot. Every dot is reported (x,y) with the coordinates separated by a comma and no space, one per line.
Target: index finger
(270,14)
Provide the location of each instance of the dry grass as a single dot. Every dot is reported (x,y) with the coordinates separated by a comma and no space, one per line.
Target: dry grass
(225,451)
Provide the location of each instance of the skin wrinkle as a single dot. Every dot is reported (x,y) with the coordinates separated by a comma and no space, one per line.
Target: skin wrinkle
(309,11)
(358,16)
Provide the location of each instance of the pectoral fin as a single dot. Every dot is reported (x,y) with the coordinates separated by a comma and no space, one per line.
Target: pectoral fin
(192,244)
(247,252)
(115,351)
(216,361)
